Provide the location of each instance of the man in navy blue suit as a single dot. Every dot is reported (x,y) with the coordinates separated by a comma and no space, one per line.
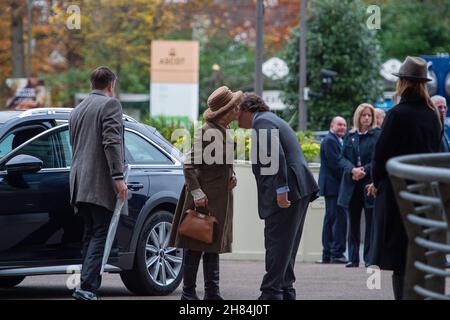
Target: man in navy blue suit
(335,222)
(285,187)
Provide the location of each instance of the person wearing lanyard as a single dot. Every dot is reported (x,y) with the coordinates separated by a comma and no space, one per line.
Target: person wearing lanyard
(356,162)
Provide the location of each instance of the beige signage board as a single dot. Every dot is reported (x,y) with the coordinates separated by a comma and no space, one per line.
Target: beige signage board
(175,61)
(174,77)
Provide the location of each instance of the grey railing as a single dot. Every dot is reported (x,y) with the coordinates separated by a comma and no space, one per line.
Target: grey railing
(422,187)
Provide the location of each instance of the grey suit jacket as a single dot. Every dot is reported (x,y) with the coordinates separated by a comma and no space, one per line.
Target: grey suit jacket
(96,135)
(293,169)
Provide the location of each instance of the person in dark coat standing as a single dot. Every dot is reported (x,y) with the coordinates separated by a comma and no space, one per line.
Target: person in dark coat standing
(210,181)
(441,103)
(356,160)
(97,172)
(334,231)
(411,127)
(285,188)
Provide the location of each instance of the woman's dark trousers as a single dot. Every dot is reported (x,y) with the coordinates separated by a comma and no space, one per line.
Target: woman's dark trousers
(354,236)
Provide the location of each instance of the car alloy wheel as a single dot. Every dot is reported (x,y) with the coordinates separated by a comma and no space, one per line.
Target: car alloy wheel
(163,262)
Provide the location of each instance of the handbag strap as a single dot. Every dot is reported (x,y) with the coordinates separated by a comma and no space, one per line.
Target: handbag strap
(209,212)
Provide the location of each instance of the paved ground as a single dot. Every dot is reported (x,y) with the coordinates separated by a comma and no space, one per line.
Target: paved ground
(240,281)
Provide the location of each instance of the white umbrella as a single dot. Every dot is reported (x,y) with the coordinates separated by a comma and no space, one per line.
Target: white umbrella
(113,225)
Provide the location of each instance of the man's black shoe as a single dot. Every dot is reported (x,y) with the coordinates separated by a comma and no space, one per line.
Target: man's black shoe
(352,265)
(339,260)
(323,261)
(84,295)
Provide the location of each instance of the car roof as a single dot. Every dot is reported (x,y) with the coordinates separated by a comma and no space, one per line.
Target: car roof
(51,113)
(8,115)
(15,116)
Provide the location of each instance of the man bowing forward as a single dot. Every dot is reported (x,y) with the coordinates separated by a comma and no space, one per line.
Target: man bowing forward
(285,187)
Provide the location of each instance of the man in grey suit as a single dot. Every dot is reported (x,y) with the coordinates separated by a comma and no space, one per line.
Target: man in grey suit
(96,176)
(285,186)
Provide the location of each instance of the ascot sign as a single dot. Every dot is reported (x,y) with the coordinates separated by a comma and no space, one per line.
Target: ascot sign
(174,89)
(172,59)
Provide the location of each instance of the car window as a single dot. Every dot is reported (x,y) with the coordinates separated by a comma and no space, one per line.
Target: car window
(53,149)
(6,145)
(17,137)
(140,151)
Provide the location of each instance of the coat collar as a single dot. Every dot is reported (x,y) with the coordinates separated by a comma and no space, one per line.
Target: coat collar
(256,115)
(410,97)
(355,132)
(98,92)
(217,126)
(331,133)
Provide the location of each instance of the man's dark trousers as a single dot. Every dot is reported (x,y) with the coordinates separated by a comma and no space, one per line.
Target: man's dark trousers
(282,232)
(96,225)
(334,232)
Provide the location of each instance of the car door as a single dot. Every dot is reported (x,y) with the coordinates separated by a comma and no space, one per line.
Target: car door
(149,167)
(37,222)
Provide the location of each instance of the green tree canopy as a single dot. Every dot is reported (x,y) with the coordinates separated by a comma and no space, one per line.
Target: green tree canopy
(338,39)
(414,27)
(225,62)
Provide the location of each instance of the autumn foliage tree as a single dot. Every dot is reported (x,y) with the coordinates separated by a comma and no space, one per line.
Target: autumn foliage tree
(118,33)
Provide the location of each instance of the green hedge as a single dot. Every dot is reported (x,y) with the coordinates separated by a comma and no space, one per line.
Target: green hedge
(167,125)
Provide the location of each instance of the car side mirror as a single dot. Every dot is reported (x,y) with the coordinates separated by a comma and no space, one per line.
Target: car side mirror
(23,164)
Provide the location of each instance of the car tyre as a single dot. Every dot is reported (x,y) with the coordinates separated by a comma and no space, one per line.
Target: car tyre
(157,269)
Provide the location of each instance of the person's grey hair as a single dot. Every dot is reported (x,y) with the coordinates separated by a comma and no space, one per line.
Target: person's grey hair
(438,98)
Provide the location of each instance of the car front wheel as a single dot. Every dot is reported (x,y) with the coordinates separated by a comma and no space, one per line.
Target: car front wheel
(157,268)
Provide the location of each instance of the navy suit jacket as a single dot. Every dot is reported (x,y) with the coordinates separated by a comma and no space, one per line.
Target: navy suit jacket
(330,171)
(445,144)
(293,169)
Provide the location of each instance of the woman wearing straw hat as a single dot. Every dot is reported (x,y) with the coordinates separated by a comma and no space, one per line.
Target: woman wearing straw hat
(209,183)
(411,127)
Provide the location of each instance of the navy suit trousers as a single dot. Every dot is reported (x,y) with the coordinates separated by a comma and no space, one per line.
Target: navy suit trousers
(334,230)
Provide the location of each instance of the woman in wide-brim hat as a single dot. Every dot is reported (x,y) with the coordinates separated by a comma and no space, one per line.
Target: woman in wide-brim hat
(411,127)
(210,180)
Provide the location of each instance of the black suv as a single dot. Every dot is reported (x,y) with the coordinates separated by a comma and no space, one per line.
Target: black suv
(39,232)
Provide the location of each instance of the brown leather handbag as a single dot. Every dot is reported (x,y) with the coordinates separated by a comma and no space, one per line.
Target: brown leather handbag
(198,226)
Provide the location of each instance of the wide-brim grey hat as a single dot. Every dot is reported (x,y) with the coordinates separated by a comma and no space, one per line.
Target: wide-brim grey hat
(414,68)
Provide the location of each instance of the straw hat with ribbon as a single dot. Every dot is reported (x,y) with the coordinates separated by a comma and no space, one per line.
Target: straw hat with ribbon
(220,102)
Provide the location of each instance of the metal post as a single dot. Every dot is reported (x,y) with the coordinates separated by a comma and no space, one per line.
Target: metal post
(302,108)
(259,80)
(30,37)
